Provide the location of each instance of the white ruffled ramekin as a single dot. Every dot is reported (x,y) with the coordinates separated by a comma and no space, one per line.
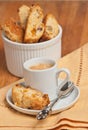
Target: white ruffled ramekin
(17,53)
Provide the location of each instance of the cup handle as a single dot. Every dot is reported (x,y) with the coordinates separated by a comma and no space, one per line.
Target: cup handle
(67,72)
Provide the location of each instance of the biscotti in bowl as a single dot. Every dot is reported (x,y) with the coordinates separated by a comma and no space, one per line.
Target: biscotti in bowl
(33,37)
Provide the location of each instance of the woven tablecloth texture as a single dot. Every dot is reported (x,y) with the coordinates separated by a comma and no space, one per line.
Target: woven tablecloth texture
(74,118)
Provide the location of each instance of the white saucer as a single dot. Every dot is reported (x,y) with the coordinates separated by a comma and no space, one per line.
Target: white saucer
(61,105)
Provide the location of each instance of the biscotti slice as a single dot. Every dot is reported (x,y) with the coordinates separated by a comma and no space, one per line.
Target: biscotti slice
(51,27)
(13,31)
(23,12)
(35,27)
(26,97)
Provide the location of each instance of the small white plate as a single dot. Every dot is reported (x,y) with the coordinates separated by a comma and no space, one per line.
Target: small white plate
(61,105)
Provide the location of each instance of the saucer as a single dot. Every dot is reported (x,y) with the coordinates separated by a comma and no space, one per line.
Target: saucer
(60,106)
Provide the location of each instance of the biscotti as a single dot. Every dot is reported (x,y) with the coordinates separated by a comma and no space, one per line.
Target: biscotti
(23,12)
(29,98)
(13,31)
(51,27)
(35,27)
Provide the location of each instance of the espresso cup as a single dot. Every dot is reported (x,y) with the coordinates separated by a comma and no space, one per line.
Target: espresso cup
(42,74)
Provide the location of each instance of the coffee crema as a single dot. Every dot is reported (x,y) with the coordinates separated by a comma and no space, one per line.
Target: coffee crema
(41,66)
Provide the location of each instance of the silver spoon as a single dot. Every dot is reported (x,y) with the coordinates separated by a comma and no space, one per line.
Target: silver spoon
(62,92)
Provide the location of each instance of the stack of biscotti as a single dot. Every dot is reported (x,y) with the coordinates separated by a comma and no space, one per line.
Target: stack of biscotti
(33,26)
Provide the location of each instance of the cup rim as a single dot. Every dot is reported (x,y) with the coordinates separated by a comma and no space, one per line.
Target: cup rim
(40,59)
(32,44)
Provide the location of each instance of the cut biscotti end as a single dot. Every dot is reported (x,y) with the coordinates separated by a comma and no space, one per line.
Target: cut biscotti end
(23,12)
(51,27)
(17,94)
(35,27)
(29,98)
(13,31)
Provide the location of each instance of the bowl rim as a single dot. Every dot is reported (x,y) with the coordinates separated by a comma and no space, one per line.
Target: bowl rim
(32,44)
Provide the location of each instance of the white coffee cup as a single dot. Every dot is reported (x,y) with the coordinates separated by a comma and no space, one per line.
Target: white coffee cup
(45,80)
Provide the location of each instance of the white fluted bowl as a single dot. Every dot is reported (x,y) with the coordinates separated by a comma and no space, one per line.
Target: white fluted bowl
(17,53)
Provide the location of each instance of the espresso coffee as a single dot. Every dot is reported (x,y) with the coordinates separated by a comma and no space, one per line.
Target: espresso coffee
(41,66)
